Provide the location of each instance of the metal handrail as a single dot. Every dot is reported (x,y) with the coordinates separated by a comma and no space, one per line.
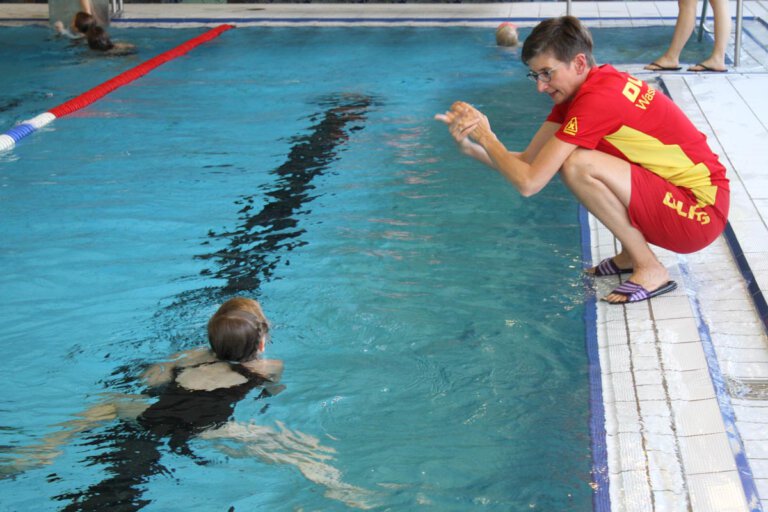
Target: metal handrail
(739,27)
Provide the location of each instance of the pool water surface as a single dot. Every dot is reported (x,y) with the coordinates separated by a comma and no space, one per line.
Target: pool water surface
(429,318)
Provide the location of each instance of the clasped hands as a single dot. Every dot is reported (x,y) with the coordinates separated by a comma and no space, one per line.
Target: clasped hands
(464,121)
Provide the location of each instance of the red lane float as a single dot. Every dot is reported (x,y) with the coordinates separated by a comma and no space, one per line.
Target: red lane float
(9,139)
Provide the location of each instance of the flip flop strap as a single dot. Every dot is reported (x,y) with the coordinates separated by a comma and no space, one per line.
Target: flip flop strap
(633,291)
(607,268)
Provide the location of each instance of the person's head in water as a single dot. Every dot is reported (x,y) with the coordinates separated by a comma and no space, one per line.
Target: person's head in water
(98,39)
(82,22)
(563,38)
(238,330)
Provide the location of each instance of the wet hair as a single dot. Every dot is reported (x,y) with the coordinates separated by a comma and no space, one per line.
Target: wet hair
(83,22)
(242,304)
(563,37)
(98,39)
(236,330)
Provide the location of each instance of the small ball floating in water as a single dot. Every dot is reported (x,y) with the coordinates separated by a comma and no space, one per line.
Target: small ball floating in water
(506,34)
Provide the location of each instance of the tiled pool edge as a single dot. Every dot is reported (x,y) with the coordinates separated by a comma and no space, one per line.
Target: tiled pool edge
(723,396)
(601,499)
(668,446)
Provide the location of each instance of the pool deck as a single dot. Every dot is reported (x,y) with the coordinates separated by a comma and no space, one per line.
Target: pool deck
(683,377)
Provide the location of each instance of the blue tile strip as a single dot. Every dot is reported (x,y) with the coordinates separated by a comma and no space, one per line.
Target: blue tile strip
(746,272)
(601,500)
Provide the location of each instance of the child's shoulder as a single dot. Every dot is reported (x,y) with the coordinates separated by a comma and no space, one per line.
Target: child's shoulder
(210,376)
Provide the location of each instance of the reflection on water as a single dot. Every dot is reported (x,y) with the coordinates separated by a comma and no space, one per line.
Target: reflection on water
(130,453)
(255,246)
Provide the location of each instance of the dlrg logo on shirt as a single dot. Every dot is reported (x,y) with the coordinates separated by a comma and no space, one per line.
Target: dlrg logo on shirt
(692,213)
(632,91)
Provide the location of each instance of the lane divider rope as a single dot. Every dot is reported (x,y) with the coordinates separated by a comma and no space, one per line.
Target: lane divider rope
(21,130)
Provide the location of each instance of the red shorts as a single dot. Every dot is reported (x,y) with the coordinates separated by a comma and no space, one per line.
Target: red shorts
(668,216)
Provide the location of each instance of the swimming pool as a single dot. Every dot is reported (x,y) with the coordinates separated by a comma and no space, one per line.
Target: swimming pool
(429,318)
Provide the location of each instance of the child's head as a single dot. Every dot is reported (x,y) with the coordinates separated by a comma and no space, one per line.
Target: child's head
(83,22)
(98,39)
(238,330)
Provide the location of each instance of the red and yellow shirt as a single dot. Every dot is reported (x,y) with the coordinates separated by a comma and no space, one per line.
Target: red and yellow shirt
(618,114)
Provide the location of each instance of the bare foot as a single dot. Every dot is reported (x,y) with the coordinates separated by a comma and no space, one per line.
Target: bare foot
(663,64)
(709,65)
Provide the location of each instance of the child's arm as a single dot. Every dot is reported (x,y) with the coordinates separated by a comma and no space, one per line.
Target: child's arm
(64,31)
(42,453)
(270,369)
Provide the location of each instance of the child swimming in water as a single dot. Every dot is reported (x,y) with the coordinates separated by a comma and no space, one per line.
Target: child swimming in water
(195,394)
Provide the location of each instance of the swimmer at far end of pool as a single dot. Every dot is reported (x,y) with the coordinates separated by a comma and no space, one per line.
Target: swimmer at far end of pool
(87,24)
(506,34)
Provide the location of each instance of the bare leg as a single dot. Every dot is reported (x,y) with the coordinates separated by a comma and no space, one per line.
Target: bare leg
(722,35)
(686,20)
(603,184)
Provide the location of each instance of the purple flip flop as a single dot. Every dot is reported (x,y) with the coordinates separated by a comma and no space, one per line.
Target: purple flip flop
(636,293)
(608,268)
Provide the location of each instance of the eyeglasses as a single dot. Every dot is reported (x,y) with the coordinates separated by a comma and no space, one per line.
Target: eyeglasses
(544,76)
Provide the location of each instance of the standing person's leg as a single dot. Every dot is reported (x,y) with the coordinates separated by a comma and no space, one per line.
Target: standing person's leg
(716,61)
(686,21)
(603,184)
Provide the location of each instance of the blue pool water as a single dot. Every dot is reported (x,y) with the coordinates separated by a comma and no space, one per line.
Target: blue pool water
(429,318)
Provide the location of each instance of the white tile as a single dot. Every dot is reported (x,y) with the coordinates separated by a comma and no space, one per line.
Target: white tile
(667,9)
(745,371)
(759,468)
(720,492)
(623,387)
(709,453)
(752,235)
(642,363)
(753,431)
(657,427)
(648,378)
(748,355)
(690,385)
(756,449)
(677,330)
(739,323)
(655,409)
(618,359)
(667,307)
(762,490)
(644,350)
(635,491)
(671,501)
(698,417)
(642,9)
(661,448)
(613,9)
(651,393)
(631,449)
(750,411)
(627,416)
(683,356)
(585,9)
